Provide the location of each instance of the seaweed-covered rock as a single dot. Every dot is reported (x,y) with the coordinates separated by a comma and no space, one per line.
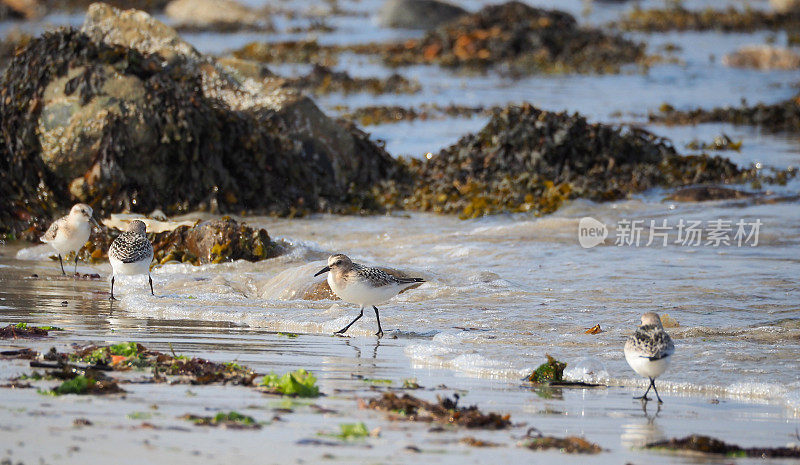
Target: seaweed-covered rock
(323,80)
(125,115)
(706,193)
(138,30)
(527,159)
(678,18)
(763,57)
(551,371)
(417,14)
(215,15)
(524,38)
(709,445)
(781,116)
(212,241)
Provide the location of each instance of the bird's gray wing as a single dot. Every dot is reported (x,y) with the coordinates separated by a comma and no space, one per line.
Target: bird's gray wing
(52,231)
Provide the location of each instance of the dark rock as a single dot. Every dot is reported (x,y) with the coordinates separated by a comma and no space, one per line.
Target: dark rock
(417,14)
(526,159)
(705,193)
(171,129)
(524,38)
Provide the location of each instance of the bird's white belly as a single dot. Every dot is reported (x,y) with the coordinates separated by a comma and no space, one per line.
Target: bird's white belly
(140,267)
(77,238)
(360,293)
(646,367)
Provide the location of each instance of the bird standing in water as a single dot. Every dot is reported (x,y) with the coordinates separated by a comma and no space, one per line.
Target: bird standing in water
(131,254)
(70,233)
(649,350)
(364,286)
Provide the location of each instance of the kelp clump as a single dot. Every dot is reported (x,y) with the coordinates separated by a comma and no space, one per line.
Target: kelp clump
(530,160)
(709,445)
(82,385)
(127,355)
(24,330)
(524,38)
(445,410)
(228,420)
(568,445)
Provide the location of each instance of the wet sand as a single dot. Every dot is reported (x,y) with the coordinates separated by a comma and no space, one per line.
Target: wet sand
(143,426)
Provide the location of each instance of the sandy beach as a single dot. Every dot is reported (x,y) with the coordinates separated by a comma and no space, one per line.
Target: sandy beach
(144,424)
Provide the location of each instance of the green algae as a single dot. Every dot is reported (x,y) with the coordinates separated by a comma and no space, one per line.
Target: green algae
(231,420)
(551,371)
(300,383)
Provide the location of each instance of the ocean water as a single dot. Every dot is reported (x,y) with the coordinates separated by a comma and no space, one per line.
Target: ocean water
(504,291)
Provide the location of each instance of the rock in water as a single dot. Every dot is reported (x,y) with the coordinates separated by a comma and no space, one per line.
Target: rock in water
(527,159)
(763,57)
(520,37)
(223,15)
(706,193)
(785,6)
(417,14)
(125,115)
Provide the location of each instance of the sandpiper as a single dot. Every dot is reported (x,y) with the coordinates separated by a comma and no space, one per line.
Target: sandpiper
(365,286)
(649,350)
(131,253)
(70,233)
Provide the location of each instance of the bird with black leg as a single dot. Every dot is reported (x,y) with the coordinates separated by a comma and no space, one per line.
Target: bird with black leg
(131,253)
(362,285)
(70,233)
(649,351)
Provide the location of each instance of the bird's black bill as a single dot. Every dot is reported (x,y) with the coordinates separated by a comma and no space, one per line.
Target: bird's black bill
(324,270)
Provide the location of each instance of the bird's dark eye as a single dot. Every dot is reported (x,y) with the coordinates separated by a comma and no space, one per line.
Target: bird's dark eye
(337,263)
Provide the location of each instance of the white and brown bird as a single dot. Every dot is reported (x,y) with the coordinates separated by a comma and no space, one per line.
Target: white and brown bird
(131,253)
(70,233)
(649,351)
(364,286)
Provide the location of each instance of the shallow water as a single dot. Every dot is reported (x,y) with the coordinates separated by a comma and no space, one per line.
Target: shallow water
(502,291)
